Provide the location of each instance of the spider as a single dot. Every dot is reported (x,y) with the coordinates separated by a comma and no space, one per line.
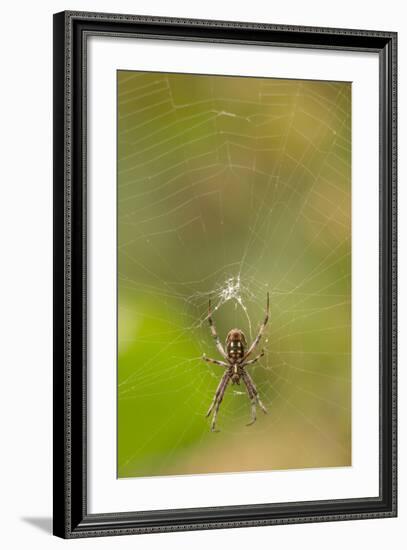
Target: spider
(236,359)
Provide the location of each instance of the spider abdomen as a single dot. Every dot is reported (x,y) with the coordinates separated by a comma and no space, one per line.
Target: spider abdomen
(235,350)
(235,345)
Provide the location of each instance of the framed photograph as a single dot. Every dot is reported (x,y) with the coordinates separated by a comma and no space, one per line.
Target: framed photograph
(224,274)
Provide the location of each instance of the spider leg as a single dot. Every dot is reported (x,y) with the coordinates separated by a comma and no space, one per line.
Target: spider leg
(218,389)
(253,404)
(218,402)
(252,361)
(261,330)
(214,361)
(253,395)
(214,333)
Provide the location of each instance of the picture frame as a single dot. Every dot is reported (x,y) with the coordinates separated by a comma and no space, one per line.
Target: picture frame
(72,517)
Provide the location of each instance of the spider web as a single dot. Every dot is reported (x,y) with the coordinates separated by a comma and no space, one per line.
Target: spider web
(229,188)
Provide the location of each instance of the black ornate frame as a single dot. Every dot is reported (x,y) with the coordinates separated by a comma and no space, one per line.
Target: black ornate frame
(71,518)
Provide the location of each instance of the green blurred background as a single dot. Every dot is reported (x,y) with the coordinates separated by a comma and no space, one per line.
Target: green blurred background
(230,187)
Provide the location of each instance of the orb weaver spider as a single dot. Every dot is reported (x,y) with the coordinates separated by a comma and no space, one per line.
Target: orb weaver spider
(236,361)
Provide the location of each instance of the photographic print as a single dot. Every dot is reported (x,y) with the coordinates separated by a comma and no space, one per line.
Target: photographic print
(225,274)
(234,274)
